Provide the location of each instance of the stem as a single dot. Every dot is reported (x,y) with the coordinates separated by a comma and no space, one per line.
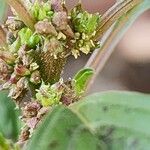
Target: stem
(2,37)
(110,40)
(113,14)
(22,13)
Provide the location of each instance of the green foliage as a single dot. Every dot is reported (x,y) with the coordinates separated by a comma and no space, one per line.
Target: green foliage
(110,120)
(80,80)
(9,121)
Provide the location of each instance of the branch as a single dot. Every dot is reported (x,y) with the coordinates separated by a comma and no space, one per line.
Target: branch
(99,58)
(22,13)
(2,37)
(113,14)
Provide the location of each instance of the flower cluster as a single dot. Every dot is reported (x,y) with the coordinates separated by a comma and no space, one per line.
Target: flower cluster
(85,26)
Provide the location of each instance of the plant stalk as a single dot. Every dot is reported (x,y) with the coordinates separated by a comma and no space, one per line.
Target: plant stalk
(22,13)
(2,37)
(99,58)
(113,14)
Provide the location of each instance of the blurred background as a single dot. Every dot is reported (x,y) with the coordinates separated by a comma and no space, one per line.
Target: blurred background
(129,66)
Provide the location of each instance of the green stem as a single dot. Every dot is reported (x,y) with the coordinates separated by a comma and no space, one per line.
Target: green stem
(113,14)
(99,58)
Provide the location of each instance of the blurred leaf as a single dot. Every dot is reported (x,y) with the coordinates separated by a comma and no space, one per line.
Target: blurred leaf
(120,119)
(9,121)
(3,9)
(62,130)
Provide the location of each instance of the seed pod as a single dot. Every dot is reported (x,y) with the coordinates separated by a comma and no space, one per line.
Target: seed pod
(45,28)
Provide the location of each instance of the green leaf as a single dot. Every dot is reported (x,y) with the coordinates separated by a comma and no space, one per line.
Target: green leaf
(120,119)
(62,130)
(3,9)
(9,121)
(80,80)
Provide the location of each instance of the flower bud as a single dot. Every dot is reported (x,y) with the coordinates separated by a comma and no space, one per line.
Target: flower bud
(21,70)
(17,90)
(45,27)
(60,20)
(31,109)
(32,123)
(35,77)
(25,133)
(13,79)
(53,46)
(57,5)
(33,66)
(7,57)
(3,70)
(22,51)
(14,24)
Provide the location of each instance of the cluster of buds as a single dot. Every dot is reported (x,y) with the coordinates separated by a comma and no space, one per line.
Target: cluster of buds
(32,114)
(32,62)
(18,71)
(85,26)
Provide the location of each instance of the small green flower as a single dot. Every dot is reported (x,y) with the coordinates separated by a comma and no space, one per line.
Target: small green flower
(83,21)
(49,95)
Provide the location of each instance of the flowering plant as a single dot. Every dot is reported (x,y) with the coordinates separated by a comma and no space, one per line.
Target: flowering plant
(35,45)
